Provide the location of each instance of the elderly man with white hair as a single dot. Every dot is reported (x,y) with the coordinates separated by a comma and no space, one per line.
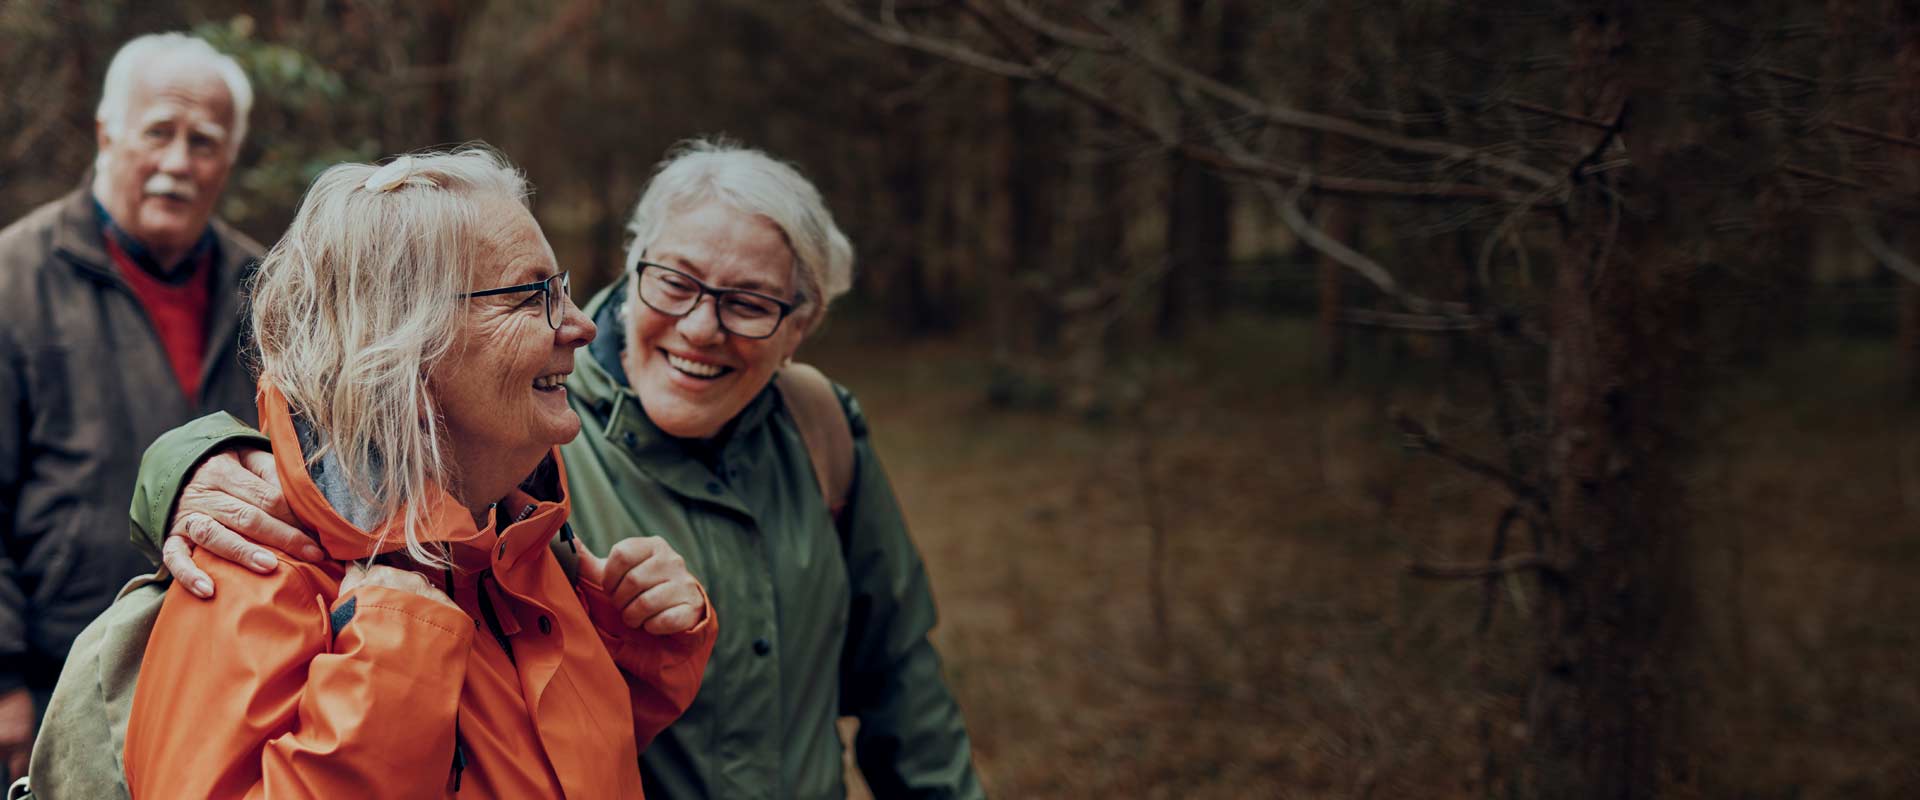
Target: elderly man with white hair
(119,319)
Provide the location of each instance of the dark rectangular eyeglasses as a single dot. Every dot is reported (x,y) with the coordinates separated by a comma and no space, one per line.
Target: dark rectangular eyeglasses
(741,312)
(555,290)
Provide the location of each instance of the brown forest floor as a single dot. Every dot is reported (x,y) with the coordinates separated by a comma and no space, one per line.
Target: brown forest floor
(1296,658)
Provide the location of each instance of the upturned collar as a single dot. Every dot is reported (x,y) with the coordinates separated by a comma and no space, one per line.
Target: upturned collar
(521,523)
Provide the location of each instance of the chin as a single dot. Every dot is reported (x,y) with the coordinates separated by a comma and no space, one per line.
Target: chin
(688,426)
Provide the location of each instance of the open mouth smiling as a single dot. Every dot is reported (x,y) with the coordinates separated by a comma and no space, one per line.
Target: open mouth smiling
(551,383)
(695,369)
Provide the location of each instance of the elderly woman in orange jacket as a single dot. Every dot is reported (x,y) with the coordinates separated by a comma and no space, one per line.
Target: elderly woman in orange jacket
(414,333)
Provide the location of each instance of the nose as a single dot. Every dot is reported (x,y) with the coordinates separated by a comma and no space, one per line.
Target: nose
(174,159)
(575,330)
(701,326)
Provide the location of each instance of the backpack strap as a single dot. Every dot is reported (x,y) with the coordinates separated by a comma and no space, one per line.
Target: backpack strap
(822,421)
(567,552)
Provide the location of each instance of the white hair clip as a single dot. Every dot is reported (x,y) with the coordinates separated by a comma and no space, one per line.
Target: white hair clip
(397,173)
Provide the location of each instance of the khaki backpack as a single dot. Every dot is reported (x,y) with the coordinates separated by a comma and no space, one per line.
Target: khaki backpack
(78,752)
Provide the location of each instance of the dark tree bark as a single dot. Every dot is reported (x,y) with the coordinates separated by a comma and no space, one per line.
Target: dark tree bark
(1604,707)
(445,19)
(1904,120)
(1337,214)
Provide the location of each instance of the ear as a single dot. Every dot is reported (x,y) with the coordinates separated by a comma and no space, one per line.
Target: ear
(793,345)
(101,139)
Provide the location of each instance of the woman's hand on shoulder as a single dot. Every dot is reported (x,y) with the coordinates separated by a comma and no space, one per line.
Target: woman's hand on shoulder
(391,578)
(650,585)
(230,506)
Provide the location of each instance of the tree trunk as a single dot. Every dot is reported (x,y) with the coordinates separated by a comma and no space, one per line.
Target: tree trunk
(445,21)
(1336,218)
(1904,120)
(1199,202)
(1604,705)
(1336,214)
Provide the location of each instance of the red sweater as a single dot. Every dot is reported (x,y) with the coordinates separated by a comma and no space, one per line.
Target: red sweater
(178,311)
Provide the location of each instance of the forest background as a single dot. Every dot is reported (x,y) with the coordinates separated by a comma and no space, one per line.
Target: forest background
(1371,399)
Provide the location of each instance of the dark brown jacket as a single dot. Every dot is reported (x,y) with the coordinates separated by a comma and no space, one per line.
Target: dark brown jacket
(85,387)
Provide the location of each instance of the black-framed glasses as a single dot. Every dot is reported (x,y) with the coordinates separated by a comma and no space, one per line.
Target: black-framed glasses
(741,312)
(555,289)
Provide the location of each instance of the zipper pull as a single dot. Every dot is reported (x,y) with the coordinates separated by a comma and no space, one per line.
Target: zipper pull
(459,756)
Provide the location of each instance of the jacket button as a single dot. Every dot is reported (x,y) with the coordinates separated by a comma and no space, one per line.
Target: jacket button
(762,647)
(545,625)
(632,440)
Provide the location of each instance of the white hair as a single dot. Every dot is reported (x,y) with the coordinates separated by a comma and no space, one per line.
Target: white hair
(136,56)
(357,302)
(751,182)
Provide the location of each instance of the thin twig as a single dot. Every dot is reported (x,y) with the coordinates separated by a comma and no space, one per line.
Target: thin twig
(1555,113)
(1420,438)
(943,48)
(1803,172)
(1255,108)
(1070,37)
(1411,322)
(1486,569)
(1885,253)
(1877,135)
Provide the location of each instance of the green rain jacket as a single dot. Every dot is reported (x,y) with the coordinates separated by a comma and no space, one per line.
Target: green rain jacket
(818,620)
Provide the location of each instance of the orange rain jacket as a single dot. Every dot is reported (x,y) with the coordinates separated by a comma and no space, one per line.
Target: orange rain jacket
(282,687)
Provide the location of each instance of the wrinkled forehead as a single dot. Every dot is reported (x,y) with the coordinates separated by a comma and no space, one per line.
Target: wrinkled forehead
(510,247)
(727,246)
(179,90)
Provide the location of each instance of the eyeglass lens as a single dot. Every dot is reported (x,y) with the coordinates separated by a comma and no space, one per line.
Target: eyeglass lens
(741,313)
(557,289)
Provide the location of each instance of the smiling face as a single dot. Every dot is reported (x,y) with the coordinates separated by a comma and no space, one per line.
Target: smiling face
(692,376)
(162,173)
(499,388)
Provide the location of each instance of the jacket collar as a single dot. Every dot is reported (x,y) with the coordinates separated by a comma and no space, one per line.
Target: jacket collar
(201,255)
(522,523)
(78,239)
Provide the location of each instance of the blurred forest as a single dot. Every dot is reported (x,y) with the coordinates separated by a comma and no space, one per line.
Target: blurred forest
(1369,399)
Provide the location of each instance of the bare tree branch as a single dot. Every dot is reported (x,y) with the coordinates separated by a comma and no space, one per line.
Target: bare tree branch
(1803,172)
(1049,71)
(951,51)
(1420,438)
(1060,33)
(1876,135)
(1437,323)
(1555,113)
(1486,569)
(1885,253)
(1322,123)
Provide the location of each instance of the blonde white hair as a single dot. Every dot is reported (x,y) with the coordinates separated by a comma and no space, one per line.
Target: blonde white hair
(751,182)
(137,56)
(358,301)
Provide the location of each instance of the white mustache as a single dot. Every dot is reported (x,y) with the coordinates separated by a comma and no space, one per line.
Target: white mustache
(164,184)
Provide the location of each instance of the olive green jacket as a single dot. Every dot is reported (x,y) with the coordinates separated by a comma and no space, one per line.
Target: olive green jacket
(817,620)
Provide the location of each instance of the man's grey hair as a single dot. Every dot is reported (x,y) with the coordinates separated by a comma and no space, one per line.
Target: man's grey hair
(136,56)
(354,306)
(751,182)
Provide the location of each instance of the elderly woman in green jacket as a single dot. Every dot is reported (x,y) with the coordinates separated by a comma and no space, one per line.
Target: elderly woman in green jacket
(734,261)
